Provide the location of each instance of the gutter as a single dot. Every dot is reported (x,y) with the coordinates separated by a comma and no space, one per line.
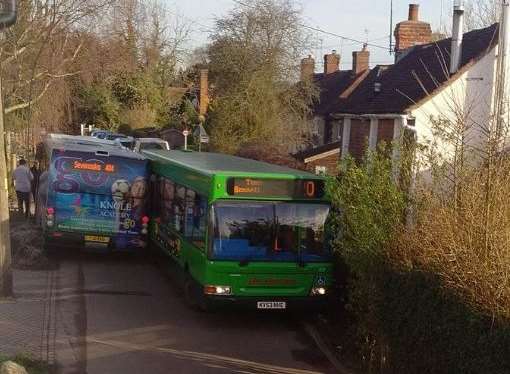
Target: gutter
(367,116)
(314,334)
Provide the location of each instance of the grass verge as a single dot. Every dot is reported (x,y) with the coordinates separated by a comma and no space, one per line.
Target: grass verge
(32,365)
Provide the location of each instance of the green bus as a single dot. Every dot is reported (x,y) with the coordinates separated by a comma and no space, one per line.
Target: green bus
(240,231)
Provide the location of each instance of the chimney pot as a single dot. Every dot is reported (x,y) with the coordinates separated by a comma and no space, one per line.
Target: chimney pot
(331,62)
(413,12)
(457,36)
(360,60)
(307,68)
(204,91)
(411,32)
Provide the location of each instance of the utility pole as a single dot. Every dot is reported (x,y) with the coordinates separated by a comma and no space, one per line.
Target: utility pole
(7,19)
(502,87)
(391,27)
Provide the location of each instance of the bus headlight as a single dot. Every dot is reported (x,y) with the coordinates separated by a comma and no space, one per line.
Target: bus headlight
(217,290)
(318,291)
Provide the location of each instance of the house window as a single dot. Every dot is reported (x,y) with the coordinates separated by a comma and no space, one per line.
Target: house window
(339,129)
(318,130)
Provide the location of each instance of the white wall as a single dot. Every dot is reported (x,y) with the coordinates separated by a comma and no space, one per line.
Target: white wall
(469,97)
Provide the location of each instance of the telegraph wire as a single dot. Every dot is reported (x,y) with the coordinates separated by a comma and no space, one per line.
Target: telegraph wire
(317,29)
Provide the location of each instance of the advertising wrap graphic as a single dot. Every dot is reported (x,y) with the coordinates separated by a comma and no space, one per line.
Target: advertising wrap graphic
(101,195)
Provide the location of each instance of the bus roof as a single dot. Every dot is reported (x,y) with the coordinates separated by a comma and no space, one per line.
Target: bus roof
(217,163)
(90,145)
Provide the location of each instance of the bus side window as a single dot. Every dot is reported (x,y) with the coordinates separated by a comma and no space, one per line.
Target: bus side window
(167,195)
(196,218)
(155,197)
(179,209)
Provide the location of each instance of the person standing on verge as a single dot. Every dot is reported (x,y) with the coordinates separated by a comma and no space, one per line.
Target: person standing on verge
(35,181)
(23,184)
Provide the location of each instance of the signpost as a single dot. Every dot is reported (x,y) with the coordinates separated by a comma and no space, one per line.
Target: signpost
(185,133)
(7,19)
(202,136)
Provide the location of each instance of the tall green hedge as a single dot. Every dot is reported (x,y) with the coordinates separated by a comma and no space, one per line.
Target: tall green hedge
(407,319)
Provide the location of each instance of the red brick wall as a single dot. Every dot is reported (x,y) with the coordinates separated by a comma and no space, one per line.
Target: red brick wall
(360,61)
(330,162)
(411,33)
(358,143)
(204,91)
(385,131)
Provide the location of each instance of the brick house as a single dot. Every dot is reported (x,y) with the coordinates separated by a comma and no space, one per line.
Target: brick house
(334,85)
(409,94)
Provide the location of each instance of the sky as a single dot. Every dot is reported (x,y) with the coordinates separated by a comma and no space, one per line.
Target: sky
(358,19)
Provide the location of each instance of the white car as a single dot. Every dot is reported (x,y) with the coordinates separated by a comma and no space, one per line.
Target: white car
(144,144)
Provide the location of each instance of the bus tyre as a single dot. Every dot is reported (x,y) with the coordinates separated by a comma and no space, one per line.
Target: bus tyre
(190,292)
(193,295)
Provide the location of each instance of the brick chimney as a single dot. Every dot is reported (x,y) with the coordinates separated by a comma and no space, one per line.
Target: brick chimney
(331,62)
(307,68)
(412,32)
(204,91)
(360,60)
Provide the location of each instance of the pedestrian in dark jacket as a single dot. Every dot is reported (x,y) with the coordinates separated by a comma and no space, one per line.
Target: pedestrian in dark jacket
(23,184)
(36,173)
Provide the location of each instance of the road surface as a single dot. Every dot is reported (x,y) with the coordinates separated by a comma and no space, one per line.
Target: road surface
(122,315)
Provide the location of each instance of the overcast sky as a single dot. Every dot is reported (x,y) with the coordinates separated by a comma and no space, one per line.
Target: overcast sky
(358,19)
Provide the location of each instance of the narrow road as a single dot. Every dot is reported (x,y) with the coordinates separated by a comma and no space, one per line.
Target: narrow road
(121,314)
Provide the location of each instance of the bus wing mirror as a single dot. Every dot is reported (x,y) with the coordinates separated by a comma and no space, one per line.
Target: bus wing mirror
(8,13)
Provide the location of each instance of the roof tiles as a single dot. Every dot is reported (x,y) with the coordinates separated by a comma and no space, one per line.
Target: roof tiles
(420,72)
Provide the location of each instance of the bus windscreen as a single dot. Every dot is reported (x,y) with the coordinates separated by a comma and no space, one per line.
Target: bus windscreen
(269,231)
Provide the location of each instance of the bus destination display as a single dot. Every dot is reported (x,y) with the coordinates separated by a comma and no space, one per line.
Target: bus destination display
(93,166)
(307,189)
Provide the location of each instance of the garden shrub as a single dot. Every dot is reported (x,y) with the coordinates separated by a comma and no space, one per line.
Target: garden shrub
(431,297)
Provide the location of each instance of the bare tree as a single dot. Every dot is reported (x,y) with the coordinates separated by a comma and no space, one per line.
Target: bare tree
(42,47)
(482,13)
(253,61)
(462,229)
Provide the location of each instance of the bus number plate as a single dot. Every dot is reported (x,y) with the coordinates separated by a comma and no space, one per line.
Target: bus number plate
(97,239)
(271,305)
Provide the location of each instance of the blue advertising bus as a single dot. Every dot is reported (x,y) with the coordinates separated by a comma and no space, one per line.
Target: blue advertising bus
(92,193)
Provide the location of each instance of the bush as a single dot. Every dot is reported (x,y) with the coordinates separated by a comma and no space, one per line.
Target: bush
(427,328)
(465,239)
(371,210)
(432,297)
(32,365)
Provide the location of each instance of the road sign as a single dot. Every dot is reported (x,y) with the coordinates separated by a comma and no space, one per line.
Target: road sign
(202,135)
(185,132)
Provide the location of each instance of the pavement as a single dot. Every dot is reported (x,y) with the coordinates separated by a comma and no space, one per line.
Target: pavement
(89,313)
